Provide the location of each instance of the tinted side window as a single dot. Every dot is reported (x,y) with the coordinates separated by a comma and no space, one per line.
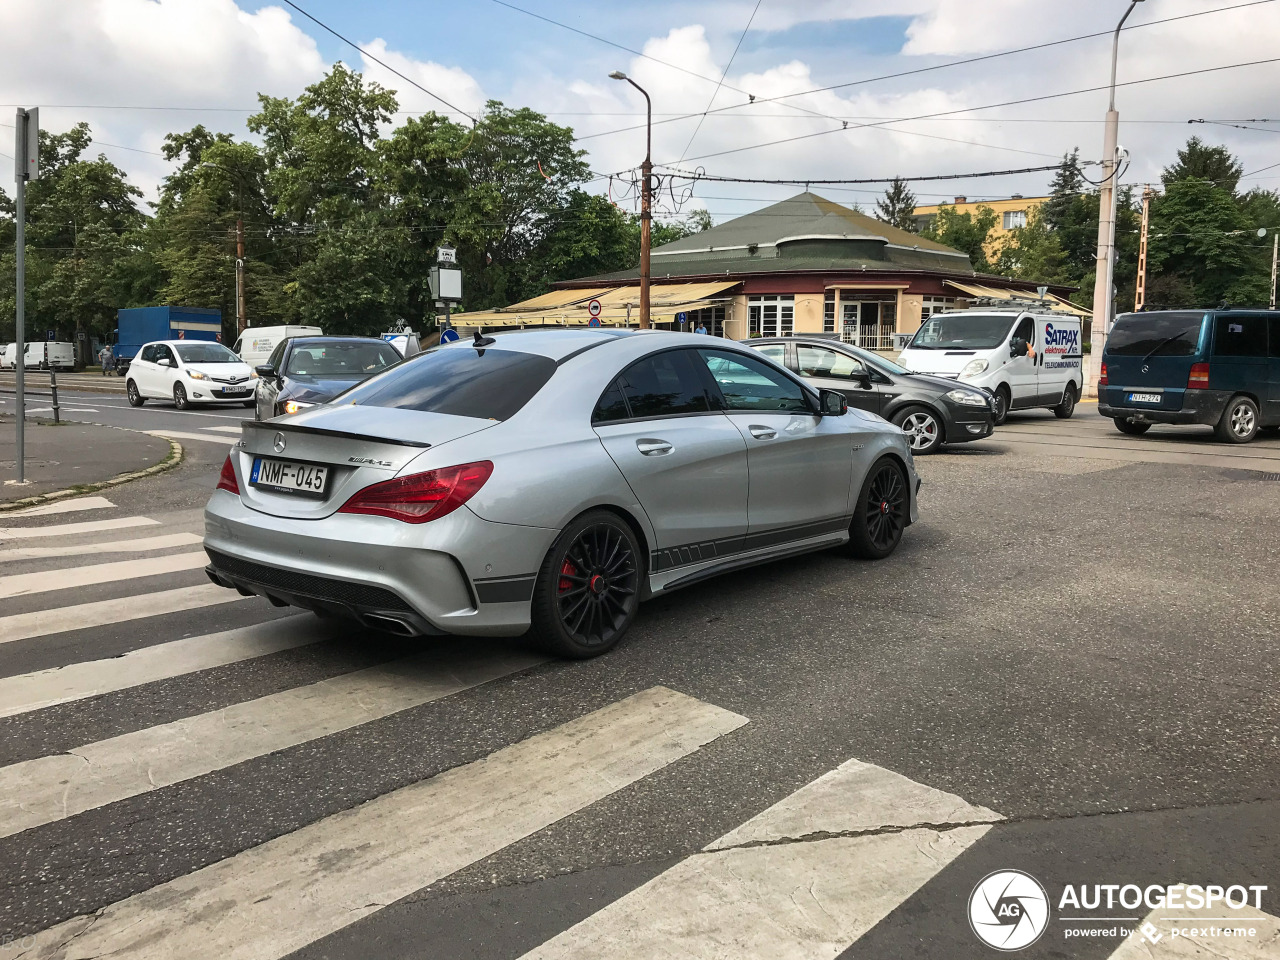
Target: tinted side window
(749,384)
(277,355)
(149,354)
(1275,336)
(611,406)
(486,384)
(1026,330)
(664,385)
(1238,336)
(825,362)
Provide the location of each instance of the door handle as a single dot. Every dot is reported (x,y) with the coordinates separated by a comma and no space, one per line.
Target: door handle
(653,448)
(761,432)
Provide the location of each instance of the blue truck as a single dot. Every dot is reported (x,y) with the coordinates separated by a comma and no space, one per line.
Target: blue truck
(138,326)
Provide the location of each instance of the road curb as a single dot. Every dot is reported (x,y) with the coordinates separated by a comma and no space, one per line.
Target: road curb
(176,454)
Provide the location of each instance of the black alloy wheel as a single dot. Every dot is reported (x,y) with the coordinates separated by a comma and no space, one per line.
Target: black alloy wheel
(882,511)
(135,398)
(1067,407)
(180,397)
(588,589)
(1000,407)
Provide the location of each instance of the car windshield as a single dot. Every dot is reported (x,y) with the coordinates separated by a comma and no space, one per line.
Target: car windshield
(459,381)
(337,360)
(877,361)
(195,352)
(1172,334)
(967,331)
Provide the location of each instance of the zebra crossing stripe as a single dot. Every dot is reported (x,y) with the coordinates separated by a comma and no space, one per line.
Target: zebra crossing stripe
(40,791)
(1159,943)
(43,623)
(235,430)
(25,584)
(806,878)
(64,506)
(72,529)
(275,898)
(138,545)
(46,688)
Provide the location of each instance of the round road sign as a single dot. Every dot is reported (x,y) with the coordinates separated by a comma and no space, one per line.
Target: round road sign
(593,308)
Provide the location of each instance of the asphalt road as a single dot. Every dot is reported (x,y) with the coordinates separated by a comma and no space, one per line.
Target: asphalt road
(1069,669)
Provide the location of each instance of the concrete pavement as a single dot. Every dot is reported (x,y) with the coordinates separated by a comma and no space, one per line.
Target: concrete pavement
(73,454)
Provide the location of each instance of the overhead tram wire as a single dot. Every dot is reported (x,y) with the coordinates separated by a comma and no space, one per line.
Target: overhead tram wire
(940,66)
(712,178)
(716,92)
(989,106)
(382,63)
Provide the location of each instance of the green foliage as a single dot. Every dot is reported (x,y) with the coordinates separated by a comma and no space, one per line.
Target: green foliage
(1033,252)
(964,231)
(897,206)
(1199,161)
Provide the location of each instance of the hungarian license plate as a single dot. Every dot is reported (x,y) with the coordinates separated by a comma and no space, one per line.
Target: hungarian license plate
(289,477)
(1145,397)
(234,392)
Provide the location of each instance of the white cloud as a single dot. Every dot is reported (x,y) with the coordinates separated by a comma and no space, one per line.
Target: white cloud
(453,84)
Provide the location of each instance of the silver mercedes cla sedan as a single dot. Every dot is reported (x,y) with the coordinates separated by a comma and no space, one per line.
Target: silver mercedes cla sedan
(550,481)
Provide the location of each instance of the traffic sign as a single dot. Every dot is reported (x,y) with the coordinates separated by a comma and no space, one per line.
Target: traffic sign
(681,317)
(593,308)
(449,335)
(593,322)
(50,334)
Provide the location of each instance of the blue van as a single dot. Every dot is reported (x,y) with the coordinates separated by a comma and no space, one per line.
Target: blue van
(1216,367)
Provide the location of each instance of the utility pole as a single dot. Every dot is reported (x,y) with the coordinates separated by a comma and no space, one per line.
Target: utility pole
(26,166)
(1106,223)
(646,200)
(1275,249)
(241,320)
(1140,292)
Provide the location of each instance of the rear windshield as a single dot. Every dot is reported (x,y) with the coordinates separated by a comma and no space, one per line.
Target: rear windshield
(968,331)
(486,384)
(1172,334)
(337,360)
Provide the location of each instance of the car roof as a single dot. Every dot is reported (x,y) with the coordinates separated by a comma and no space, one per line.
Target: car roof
(294,341)
(559,343)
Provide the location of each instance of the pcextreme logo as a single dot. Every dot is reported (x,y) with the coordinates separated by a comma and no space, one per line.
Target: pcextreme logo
(1008,910)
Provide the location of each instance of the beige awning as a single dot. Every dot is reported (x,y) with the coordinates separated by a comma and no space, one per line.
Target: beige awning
(617,305)
(1005,293)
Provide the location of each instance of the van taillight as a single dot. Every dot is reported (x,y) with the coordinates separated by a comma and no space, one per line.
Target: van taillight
(1102,376)
(1198,379)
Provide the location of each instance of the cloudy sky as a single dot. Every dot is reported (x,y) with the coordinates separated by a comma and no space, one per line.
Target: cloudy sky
(137,69)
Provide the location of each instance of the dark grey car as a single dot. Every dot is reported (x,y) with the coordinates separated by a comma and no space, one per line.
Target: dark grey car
(305,371)
(931,411)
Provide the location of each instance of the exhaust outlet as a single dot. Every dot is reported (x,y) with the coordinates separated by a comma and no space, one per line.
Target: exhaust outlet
(389,625)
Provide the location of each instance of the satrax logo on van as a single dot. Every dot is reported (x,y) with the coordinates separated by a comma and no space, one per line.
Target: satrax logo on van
(1069,338)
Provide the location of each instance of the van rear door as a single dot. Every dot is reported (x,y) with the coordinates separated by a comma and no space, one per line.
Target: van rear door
(1149,358)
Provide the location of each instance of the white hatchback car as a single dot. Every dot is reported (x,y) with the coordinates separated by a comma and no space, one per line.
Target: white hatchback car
(188,372)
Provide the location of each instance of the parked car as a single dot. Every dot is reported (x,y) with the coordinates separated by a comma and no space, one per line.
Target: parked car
(1215,367)
(931,411)
(187,372)
(304,371)
(553,480)
(256,344)
(1025,359)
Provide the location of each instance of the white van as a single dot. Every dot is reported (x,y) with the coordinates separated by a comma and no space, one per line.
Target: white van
(1026,359)
(48,355)
(9,358)
(255,344)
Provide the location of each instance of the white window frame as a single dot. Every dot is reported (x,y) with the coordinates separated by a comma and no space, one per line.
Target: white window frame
(772,314)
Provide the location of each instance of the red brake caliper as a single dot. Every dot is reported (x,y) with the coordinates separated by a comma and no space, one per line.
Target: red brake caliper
(567,569)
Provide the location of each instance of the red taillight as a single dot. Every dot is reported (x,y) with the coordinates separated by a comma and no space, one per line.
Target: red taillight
(1102,376)
(1198,379)
(423,496)
(227,479)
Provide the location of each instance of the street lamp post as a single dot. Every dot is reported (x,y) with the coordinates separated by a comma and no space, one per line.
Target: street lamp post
(646,208)
(1105,276)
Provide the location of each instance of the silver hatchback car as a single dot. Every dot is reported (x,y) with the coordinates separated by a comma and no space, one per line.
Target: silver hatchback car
(551,480)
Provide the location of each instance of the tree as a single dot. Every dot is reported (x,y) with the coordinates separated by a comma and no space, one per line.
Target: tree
(1198,161)
(966,232)
(1199,235)
(1033,252)
(897,206)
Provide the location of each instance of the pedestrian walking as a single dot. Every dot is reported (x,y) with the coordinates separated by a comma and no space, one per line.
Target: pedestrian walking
(702,328)
(107,357)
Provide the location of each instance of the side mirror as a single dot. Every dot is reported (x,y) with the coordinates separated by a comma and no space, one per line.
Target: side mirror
(862,378)
(832,403)
(266,371)
(165,362)
(1018,347)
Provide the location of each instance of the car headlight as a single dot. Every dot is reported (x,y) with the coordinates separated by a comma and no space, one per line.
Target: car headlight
(197,375)
(973,368)
(968,397)
(293,406)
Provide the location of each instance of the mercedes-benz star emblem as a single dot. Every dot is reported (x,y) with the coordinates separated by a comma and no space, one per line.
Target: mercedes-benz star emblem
(1145,368)
(278,443)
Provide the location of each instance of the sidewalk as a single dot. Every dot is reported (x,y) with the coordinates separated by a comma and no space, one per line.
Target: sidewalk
(71,454)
